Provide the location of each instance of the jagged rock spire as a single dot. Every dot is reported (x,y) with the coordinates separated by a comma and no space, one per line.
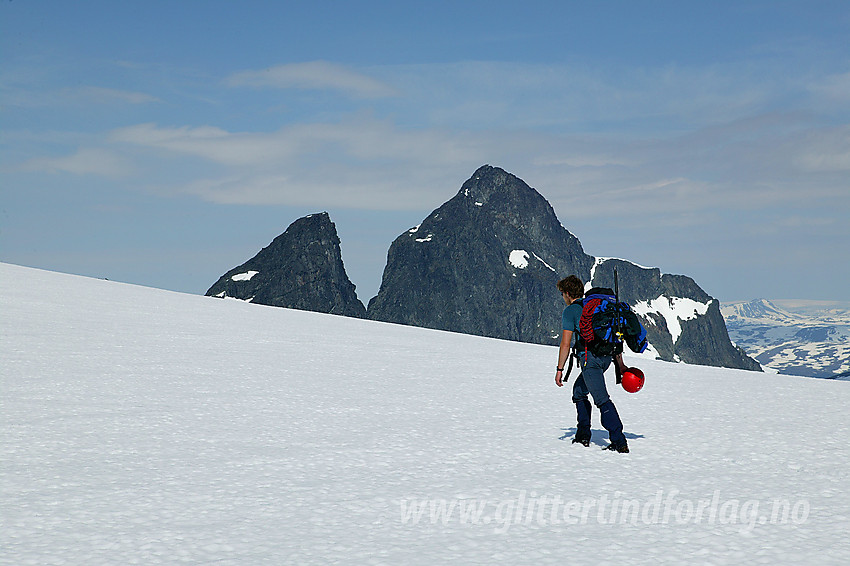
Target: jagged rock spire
(301,269)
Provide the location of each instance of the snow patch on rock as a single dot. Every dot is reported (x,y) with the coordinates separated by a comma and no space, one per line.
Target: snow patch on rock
(600,260)
(519,259)
(244,276)
(538,258)
(674,310)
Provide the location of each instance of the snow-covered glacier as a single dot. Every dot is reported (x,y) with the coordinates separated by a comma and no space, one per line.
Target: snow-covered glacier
(143,426)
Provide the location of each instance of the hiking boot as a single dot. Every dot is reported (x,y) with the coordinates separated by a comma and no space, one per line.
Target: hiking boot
(582,436)
(621,448)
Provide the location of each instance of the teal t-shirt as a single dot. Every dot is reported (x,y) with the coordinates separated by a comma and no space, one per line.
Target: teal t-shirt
(570,318)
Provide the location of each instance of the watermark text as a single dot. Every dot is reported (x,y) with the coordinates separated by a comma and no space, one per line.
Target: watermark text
(554,511)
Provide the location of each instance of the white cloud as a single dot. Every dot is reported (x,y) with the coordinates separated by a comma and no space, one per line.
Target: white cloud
(684,141)
(73,96)
(358,138)
(364,162)
(86,161)
(834,87)
(314,75)
(584,159)
(100,94)
(826,151)
(360,163)
(209,143)
(335,186)
(595,98)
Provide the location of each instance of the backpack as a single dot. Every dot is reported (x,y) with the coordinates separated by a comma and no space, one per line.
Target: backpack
(606,323)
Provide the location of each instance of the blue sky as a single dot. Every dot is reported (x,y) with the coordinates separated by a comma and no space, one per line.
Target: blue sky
(162,143)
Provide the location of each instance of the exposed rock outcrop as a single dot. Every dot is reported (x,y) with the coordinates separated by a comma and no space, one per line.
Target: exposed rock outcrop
(301,269)
(682,321)
(486,263)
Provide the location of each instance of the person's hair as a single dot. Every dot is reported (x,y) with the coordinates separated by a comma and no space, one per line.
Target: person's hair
(572,286)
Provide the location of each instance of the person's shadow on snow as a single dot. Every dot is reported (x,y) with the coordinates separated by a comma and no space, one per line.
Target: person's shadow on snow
(598,436)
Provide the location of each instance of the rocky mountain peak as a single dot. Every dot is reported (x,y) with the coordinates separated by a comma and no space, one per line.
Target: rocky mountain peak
(487,262)
(483,263)
(494,192)
(492,183)
(301,268)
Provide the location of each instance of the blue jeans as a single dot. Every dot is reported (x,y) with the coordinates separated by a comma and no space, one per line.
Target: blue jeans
(592,381)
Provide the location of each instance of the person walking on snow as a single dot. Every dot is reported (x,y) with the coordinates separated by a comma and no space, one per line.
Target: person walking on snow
(592,378)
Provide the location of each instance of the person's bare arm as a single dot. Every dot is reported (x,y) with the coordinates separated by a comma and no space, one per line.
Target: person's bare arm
(563,354)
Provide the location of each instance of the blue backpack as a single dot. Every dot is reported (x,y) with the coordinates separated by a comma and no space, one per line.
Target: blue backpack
(606,323)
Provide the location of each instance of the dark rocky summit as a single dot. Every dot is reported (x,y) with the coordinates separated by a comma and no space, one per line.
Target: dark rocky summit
(301,269)
(486,263)
(663,300)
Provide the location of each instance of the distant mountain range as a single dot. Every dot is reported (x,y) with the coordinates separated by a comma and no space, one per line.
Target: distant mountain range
(486,262)
(793,337)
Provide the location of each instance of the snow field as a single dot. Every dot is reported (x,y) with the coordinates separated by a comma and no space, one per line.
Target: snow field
(142,426)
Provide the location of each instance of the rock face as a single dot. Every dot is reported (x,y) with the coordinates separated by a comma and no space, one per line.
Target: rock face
(487,261)
(682,321)
(484,263)
(301,269)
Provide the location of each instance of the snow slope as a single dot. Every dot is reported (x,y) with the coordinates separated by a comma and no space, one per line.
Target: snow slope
(145,426)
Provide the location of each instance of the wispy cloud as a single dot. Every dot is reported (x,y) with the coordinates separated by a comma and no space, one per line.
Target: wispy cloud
(358,137)
(314,75)
(597,98)
(826,151)
(333,186)
(834,87)
(86,161)
(366,162)
(766,162)
(207,142)
(666,140)
(362,162)
(101,94)
(73,96)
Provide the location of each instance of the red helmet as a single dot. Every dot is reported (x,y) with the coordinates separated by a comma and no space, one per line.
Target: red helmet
(632,380)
